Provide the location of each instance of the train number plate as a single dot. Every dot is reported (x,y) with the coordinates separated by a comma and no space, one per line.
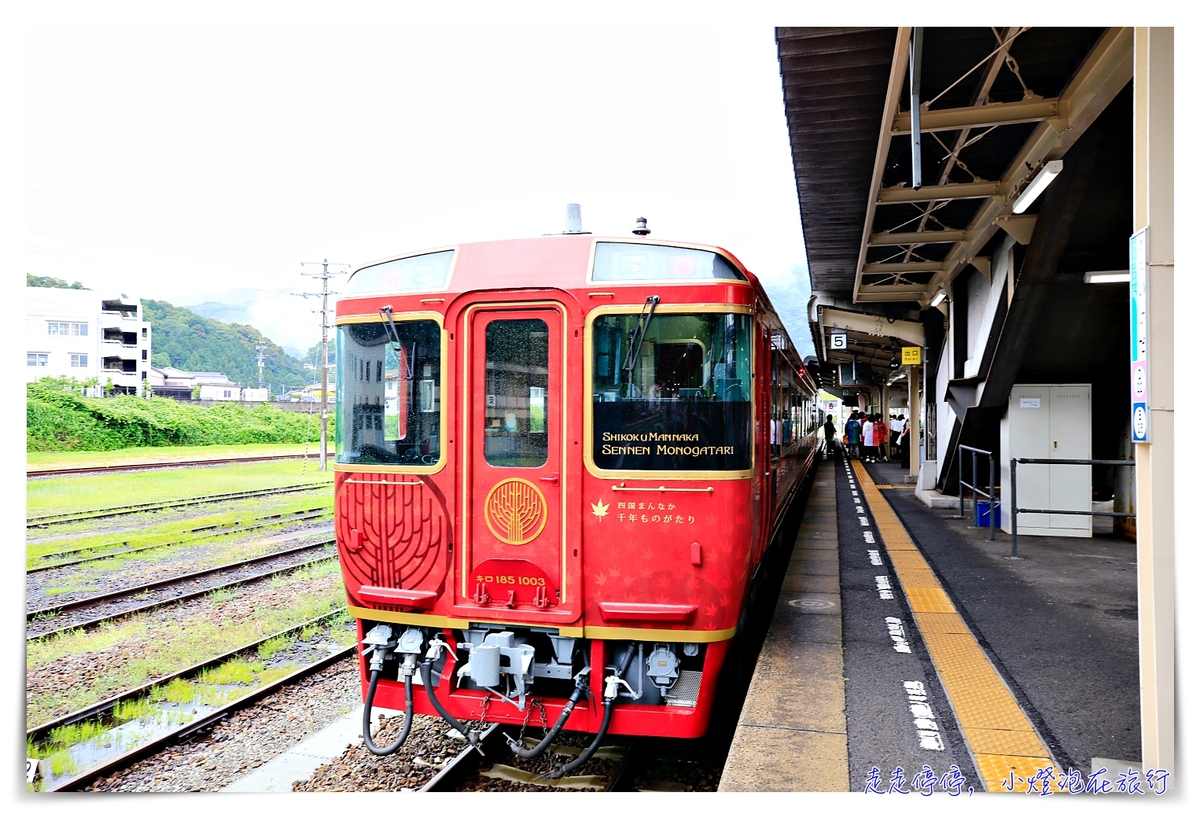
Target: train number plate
(513,582)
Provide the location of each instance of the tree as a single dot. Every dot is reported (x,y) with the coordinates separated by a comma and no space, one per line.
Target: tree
(49,281)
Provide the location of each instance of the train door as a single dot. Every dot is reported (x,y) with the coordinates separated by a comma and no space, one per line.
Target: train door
(514,554)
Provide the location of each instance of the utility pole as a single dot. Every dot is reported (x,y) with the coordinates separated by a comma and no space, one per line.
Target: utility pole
(324,275)
(261,348)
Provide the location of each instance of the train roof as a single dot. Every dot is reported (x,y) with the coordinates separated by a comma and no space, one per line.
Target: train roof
(568,261)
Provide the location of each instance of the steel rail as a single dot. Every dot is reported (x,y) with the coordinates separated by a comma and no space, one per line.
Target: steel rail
(91,711)
(119,511)
(468,762)
(213,531)
(165,464)
(162,603)
(137,589)
(185,730)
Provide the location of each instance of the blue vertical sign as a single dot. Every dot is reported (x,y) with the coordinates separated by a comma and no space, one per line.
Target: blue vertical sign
(1139,338)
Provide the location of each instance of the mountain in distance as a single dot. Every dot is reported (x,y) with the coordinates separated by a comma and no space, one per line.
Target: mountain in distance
(186,340)
(287,319)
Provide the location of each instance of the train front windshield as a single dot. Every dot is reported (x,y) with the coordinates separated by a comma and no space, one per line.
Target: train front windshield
(671,392)
(389,392)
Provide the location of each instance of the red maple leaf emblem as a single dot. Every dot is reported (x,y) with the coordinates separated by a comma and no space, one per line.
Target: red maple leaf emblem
(599,579)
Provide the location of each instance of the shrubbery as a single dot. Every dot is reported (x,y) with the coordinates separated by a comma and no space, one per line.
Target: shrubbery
(58,418)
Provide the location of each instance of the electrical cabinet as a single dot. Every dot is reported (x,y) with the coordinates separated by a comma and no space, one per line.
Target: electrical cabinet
(1048,421)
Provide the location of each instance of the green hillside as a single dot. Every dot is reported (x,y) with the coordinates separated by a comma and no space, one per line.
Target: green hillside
(186,340)
(58,419)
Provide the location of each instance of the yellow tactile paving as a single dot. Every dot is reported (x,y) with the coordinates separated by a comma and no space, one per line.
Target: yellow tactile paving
(1019,771)
(941,623)
(1007,750)
(1003,742)
(927,600)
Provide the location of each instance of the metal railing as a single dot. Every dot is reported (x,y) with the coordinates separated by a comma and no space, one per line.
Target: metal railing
(1046,461)
(976,492)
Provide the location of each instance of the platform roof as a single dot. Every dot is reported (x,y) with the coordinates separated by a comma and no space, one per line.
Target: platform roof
(995,106)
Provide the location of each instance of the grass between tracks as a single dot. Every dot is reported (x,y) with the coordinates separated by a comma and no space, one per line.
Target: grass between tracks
(140,648)
(57,495)
(179,701)
(141,530)
(161,454)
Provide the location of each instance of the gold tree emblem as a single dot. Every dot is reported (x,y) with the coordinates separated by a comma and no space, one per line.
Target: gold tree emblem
(515,511)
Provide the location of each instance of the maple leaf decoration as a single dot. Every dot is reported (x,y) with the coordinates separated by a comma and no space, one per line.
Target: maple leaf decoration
(600,509)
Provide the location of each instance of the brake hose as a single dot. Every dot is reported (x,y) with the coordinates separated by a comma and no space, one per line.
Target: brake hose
(408,716)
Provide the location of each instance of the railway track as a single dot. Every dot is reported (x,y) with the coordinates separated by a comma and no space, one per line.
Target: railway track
(500,770)
(105,551)
(116,745)
(124,594)
(94,611)
(161,505)
(167,464)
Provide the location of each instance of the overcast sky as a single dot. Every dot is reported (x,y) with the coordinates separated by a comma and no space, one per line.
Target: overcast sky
(166,161)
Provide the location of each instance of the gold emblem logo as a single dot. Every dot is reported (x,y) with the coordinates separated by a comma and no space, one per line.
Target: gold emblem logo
(515,511)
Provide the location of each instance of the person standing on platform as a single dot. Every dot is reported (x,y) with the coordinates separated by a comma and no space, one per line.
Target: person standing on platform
(854,436)
(869,454)
(830,433)
(881,439)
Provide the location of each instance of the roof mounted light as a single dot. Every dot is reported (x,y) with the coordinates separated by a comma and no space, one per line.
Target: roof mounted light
(1040,182)
(938,299)
(1106,277)
(640,228)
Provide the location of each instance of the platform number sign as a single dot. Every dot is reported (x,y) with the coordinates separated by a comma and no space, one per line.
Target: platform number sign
(837,340)
(1139,340)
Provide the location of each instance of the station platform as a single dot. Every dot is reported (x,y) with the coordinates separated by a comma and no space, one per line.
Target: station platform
(907,649)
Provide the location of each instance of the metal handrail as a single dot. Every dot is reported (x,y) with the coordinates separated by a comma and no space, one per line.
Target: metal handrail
(1049,461)
(975,491)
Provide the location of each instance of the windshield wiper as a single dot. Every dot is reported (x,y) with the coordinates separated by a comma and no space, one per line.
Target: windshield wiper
(636,337)
(386,313)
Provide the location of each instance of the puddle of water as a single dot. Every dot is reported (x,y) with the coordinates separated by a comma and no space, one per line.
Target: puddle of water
(117,740)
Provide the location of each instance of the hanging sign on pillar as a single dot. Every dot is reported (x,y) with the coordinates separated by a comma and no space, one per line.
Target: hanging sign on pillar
(910,356)
(1139,340)
(838,339)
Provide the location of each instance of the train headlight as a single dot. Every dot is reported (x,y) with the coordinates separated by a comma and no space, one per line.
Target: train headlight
(662,666)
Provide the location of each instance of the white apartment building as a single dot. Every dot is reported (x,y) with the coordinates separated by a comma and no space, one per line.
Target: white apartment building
(86,334)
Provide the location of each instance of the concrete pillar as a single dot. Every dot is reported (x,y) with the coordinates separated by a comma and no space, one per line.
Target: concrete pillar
(1154,208)
(914,422)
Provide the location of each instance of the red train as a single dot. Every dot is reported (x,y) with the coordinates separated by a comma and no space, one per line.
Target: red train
(560,462)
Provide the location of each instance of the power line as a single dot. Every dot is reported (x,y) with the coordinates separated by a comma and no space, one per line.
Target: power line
(324,275)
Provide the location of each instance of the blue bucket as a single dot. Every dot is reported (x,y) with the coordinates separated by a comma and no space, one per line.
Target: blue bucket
(981,514)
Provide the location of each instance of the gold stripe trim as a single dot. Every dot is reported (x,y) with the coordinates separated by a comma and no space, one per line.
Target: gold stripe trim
(382,482)
(401,618)
(656,635)
(708,490)
(429,620)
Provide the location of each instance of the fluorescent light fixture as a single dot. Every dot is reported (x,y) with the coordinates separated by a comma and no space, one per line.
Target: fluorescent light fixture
(1106,277)
(938,299)
(1040,182)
